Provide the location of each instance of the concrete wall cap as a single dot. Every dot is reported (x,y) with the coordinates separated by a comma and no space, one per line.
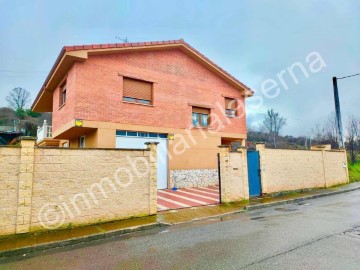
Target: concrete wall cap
(27,138)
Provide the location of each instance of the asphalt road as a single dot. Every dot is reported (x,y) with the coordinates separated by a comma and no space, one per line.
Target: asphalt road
(316,235)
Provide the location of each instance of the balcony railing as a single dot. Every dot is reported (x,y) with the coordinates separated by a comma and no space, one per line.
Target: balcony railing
(44,132)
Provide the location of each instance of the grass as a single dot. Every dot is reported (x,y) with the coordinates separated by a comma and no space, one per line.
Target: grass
(354,172)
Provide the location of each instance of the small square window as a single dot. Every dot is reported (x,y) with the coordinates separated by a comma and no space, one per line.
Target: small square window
(230,107)
(132,134)
(121,133)
(200,117)
(63,94)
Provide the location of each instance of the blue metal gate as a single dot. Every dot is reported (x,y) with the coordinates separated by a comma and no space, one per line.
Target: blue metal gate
(253,160)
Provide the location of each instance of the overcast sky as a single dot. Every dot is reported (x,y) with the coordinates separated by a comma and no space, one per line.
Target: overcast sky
(254,40)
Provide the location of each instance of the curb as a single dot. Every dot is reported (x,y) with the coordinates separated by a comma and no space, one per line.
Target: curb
(264,205)
(310,197)
(75,241)
(94,237)
(241,210)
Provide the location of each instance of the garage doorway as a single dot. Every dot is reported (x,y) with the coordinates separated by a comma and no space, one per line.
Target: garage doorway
(136,140)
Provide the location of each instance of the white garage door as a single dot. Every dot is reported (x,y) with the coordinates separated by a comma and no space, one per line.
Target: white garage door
(137,140)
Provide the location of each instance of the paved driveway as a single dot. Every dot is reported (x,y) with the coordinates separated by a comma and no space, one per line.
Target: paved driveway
(187,197)
(316,235)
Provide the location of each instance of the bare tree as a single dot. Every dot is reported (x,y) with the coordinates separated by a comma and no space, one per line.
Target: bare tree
(18,98)
(330,131)
(352,135)
(273,123)
(318,133)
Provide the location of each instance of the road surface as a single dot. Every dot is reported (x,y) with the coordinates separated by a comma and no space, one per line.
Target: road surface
(318,234)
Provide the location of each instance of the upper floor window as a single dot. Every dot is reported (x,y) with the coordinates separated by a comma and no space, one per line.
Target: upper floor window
(230,107)
(200,117)
(63,94)
(137,91)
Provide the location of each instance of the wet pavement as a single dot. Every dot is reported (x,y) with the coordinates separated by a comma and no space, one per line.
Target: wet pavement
(316,234)
(275,218)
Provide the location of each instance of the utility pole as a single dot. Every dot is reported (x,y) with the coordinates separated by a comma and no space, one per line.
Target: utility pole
(337,109)
(338,114)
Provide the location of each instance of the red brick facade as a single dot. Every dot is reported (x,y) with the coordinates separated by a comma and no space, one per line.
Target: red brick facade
(94,90)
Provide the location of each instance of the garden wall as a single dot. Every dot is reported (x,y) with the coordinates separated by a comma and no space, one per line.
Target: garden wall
(44,188)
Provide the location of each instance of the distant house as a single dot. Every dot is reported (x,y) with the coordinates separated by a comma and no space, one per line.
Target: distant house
(123,95)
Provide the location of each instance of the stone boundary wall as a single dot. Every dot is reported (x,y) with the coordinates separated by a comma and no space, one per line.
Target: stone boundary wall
(284,169)
(193,178)
(9,183)
(52,188)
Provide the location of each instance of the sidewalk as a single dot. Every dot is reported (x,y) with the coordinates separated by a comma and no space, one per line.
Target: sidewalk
(22,244)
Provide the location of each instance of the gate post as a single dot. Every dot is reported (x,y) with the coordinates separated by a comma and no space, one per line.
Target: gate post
(223,172)
(243,151)
(26,178)
(152,146)
(233,172)
(262,153)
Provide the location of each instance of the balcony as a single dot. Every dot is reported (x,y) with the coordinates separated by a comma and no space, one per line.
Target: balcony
(44,132)
(44,136)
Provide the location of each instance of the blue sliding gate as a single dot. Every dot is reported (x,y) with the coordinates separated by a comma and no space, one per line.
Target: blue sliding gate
(253,160)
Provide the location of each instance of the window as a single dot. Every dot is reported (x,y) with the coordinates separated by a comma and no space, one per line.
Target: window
(65,145)
(82,142)
(230,107)
(63,94)
(200,117)
(140,134)
(137,91)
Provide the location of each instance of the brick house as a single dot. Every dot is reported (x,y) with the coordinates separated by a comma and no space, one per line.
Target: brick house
(122,95)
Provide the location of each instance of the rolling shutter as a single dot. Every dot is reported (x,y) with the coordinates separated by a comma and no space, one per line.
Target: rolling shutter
(200,110)
(137,89)
(230,104)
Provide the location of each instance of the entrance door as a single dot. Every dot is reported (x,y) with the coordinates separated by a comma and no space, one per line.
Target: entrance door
(254,173)
(137,140)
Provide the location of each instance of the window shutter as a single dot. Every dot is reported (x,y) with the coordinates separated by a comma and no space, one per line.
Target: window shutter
(201,110)
(230,104)
(137,89)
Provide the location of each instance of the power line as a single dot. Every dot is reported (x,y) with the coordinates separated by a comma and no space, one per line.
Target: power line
(349,76)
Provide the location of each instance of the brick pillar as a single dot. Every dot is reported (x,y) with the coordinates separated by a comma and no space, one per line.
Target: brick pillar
(233,173)
(224,156)
(262,153)
(245,173)
(26,178)
(152,146)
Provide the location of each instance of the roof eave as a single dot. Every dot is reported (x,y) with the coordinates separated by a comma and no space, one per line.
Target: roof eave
(71,54)
(43,101)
